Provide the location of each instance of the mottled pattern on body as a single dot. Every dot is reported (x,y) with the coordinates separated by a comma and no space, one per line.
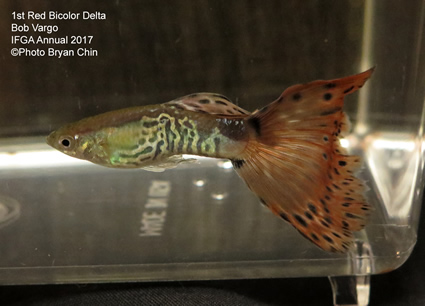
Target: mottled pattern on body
(168,134)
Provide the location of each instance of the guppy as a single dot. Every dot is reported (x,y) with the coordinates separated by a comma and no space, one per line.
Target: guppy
(288,152)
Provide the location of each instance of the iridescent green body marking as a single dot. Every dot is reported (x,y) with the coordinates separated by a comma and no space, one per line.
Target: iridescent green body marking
(152,136)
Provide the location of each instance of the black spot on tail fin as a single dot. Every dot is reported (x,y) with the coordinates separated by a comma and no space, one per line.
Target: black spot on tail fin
(254,122)
(294,162)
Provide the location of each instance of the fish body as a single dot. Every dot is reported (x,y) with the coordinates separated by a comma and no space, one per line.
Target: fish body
(152,136)
(288,152)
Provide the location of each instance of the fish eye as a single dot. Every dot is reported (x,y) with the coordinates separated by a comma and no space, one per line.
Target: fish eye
(66,142)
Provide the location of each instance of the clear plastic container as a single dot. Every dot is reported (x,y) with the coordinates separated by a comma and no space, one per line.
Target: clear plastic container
(64,220)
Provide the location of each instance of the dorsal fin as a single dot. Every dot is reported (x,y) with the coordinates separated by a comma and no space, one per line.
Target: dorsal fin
(210,103)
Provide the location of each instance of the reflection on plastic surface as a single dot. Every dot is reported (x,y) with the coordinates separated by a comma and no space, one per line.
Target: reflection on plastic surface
(37,159)
(199,183)
(393,159)
(219,196)
(10,210)
(355,289)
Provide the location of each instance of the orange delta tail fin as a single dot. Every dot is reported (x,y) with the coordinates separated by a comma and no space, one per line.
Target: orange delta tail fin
(295,164)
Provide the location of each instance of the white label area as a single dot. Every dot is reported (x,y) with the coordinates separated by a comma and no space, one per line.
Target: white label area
(155,210)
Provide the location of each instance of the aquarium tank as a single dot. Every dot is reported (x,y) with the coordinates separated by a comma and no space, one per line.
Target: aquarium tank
(64,220)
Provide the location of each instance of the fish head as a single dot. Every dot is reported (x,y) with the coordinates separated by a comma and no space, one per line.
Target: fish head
(73,141)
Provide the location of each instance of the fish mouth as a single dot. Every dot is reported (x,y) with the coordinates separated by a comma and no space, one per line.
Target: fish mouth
(50,140)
